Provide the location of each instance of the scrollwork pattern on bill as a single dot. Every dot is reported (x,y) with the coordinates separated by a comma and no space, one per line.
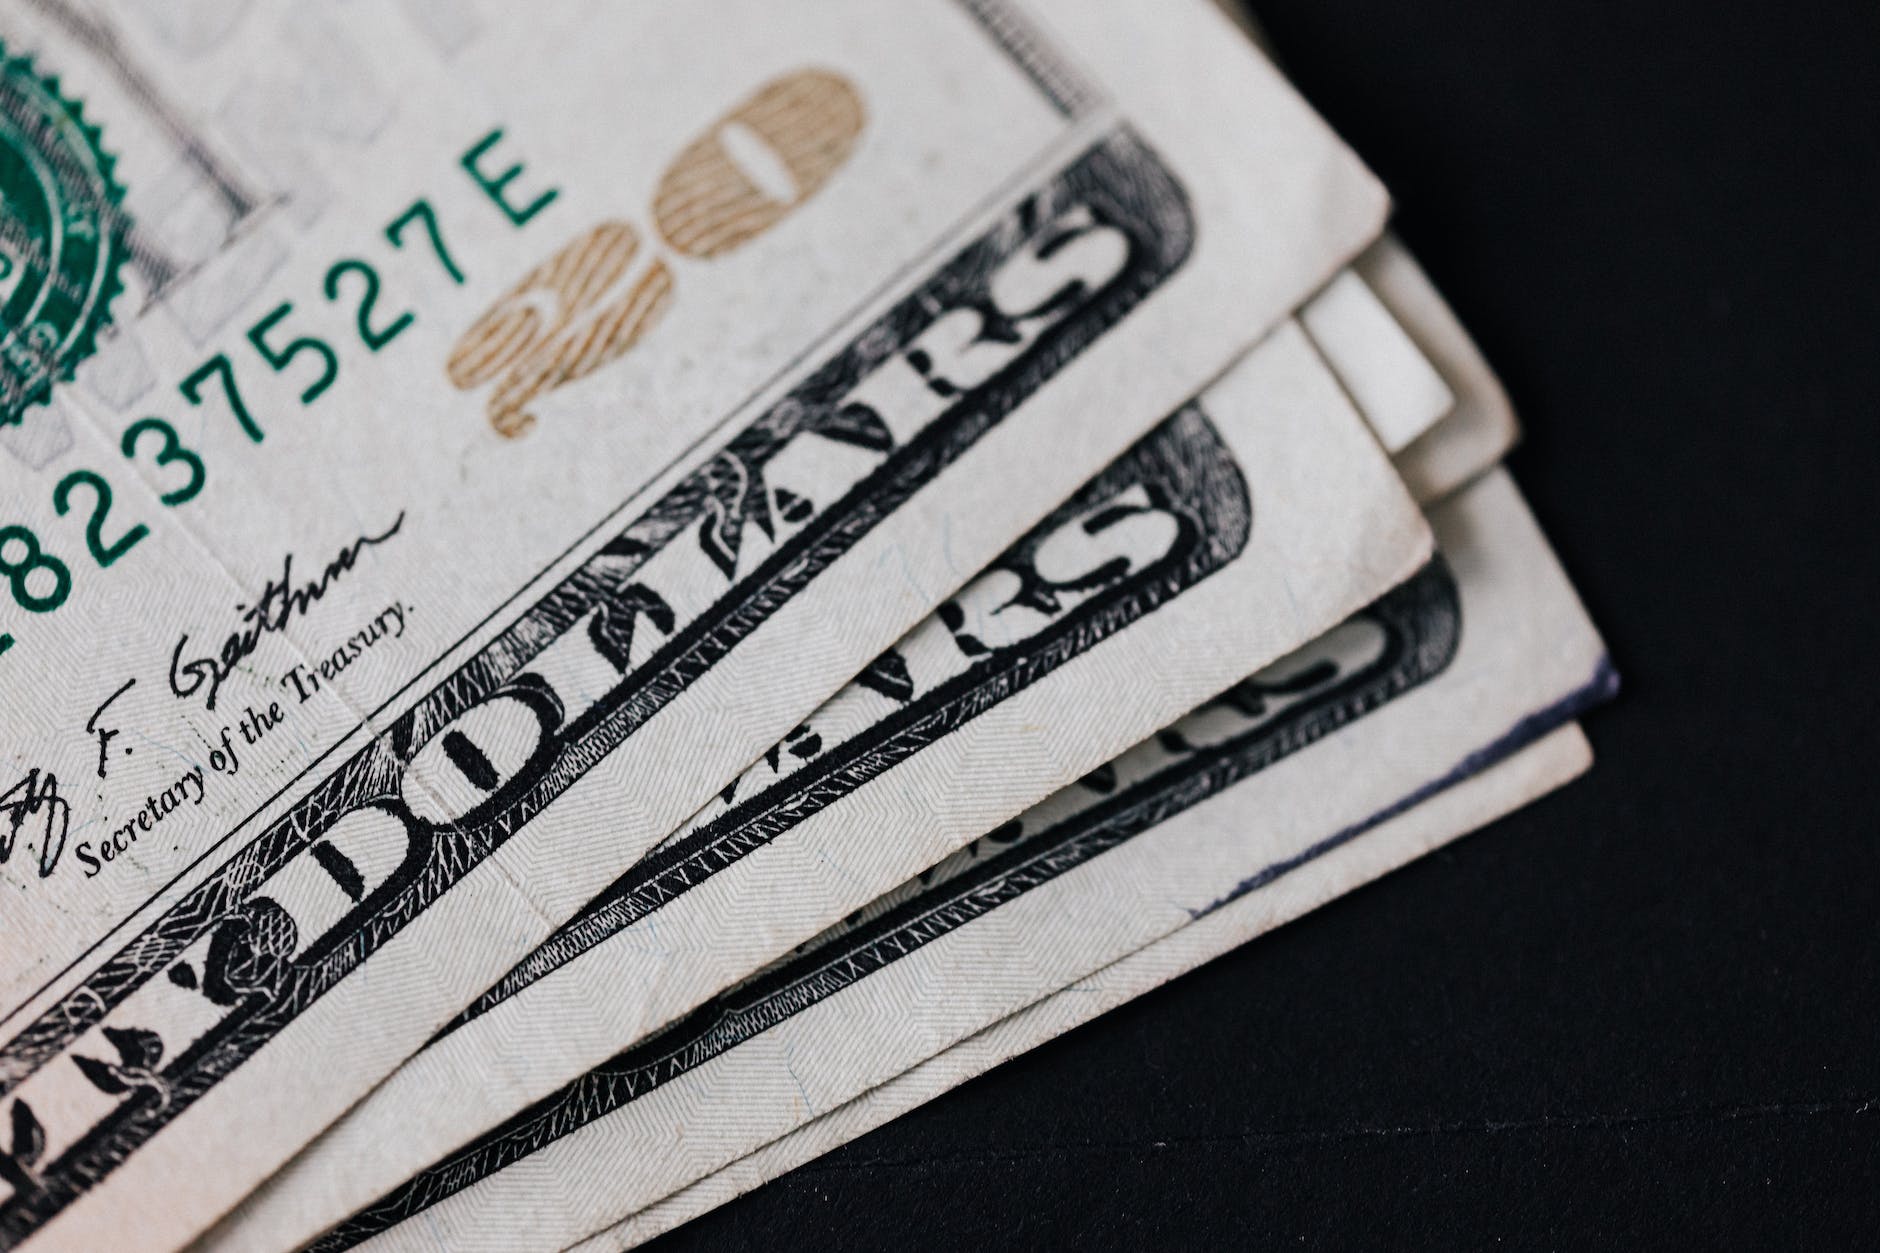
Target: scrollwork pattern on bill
(1177,493)
(1406,638)
(311,897)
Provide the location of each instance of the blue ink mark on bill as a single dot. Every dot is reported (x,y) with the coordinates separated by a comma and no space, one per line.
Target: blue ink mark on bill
(1602,687)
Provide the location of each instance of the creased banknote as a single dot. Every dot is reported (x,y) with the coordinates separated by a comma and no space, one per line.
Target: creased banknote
(1203,548)
(1478,431)
(534,1043)
(1480,654)
(1551,762)
(490,431)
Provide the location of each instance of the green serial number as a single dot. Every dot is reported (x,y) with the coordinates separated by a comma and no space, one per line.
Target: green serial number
(40,582)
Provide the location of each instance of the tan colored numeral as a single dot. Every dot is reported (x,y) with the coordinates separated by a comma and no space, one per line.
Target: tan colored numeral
(546,331)
(763,159)
(744,175)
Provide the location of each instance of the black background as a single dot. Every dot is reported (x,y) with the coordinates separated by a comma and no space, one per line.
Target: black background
(1646,1010)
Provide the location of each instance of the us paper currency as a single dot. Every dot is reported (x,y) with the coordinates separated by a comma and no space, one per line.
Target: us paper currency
(1484,428)
(1549,763)
(492,430)
(1361,341)
(1477,656)
(535,1042)
(1143,594)
(1477,431)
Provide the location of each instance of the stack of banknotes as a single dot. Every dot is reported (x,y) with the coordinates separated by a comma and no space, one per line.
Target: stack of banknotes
(598,598)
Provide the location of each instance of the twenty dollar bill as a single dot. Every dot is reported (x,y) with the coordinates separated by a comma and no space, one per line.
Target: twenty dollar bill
(488,433)
(1152,588)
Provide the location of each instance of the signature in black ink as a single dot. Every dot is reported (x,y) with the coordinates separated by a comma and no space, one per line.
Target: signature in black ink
(280,601)
(35,796)
(106,734)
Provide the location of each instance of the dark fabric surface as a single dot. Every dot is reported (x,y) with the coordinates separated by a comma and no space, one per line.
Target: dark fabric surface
(1647,1010)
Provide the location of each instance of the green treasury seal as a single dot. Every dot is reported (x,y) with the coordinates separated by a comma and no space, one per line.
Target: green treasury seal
(62,229)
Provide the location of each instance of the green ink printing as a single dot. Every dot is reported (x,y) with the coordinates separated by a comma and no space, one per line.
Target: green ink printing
(62,236)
